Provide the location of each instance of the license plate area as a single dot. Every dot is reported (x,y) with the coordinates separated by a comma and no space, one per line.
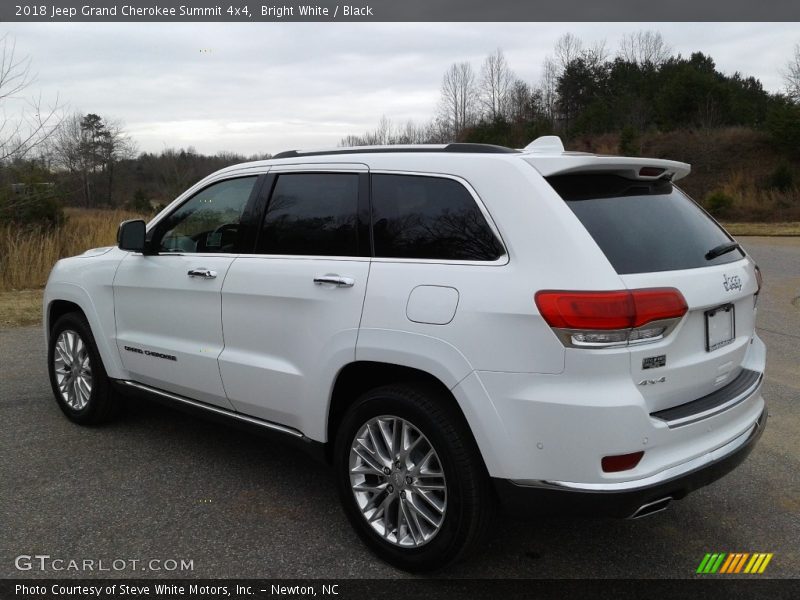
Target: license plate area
(720,327)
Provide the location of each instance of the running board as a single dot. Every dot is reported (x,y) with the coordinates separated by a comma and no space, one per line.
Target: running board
(195,406)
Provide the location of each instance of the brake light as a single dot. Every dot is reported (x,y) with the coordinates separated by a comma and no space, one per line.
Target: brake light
(613,317)
(621,462)
(651,171)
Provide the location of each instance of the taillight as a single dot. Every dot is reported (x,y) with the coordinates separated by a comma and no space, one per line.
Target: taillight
(614,318)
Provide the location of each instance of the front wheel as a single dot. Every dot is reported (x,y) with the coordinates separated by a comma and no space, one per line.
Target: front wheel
(411,478)
(77,376)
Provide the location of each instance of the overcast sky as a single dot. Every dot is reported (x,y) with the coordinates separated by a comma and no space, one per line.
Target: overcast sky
(265,87)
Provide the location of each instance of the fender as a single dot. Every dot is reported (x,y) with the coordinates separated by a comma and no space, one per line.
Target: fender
(92,290)
(445,362)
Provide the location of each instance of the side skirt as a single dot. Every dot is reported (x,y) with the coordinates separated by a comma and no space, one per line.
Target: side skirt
(282,433)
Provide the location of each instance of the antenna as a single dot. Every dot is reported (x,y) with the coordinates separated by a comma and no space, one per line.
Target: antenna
(547,144)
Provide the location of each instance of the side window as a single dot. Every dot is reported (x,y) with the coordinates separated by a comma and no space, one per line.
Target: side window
(312,213)
(429,217)
(209,221)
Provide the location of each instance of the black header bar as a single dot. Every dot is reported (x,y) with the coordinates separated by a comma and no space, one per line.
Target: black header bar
(399,10)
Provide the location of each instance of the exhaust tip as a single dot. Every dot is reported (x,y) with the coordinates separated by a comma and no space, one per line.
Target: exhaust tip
(651,508)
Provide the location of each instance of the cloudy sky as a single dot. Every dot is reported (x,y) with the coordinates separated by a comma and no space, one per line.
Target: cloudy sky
(265,87)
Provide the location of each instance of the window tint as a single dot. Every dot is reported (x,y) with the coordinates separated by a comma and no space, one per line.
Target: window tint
(312,213)
(643,226)
(209,221)
(429,217)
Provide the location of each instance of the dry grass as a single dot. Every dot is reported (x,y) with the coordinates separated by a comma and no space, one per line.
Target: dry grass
(27,255)
(765,229)
(20,308)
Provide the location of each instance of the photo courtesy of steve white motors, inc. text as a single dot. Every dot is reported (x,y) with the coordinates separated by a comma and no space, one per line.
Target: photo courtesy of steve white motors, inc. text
(166,590)
(276,11)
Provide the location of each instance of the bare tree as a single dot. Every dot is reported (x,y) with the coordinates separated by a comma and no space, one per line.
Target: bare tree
(495,85)
(459,98)
(35,122)
(791,76)
(568,48)
(644,48)
(596,54)
(548,87)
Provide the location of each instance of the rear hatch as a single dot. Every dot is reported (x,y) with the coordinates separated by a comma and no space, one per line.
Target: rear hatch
(655,236)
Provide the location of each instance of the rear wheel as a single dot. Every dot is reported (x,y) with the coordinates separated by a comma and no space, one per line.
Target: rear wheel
(411,478)
(77,376)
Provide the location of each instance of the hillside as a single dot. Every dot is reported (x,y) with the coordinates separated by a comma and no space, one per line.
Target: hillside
(737,173)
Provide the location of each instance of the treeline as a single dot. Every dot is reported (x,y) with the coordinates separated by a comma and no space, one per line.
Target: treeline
(90,162)
(586,90)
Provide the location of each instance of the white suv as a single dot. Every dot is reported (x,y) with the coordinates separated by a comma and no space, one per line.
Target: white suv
(452,327)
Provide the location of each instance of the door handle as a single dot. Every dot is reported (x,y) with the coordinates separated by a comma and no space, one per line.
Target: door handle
(336,280)
(204,273)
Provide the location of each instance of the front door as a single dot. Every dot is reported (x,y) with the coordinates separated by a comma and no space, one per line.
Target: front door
(168,305)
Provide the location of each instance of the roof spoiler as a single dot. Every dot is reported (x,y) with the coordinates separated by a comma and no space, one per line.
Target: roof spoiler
(548,156)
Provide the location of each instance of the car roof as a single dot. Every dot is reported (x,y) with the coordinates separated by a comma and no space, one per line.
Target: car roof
(546,154)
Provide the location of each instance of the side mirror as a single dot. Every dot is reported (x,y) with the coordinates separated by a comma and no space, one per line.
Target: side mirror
(130,235)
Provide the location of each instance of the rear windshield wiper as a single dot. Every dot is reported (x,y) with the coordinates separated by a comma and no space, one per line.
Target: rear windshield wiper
(722,249)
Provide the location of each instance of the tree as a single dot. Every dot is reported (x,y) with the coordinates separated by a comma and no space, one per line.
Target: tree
(495,85)
(581,85)
(567,49)
(89,147)
(35,122)
(644,48)
(548,88)
(791,76)
(459,98)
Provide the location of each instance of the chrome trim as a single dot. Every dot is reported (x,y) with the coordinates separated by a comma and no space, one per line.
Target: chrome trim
(202,272)
(660,505)
(660,477)
(214,409)
(337,280)
(745,395)
(565,335)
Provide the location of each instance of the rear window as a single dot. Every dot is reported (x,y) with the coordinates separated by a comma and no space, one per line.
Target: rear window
(643,226)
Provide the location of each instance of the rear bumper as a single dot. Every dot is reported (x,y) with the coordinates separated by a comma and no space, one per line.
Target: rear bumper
(625,498)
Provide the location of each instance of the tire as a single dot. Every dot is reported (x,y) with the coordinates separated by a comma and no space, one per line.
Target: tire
(74,364)
(458,504)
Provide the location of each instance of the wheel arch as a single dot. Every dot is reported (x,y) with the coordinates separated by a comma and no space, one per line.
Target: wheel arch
(57,309)
(62,298)
(356,378)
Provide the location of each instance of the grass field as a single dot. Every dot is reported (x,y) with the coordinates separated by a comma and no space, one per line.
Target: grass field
(766,229)
(26,256)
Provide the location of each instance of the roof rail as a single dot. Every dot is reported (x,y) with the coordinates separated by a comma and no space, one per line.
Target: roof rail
(454,148)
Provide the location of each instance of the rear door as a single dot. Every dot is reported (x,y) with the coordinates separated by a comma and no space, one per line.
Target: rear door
(655,236)
(291,312)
